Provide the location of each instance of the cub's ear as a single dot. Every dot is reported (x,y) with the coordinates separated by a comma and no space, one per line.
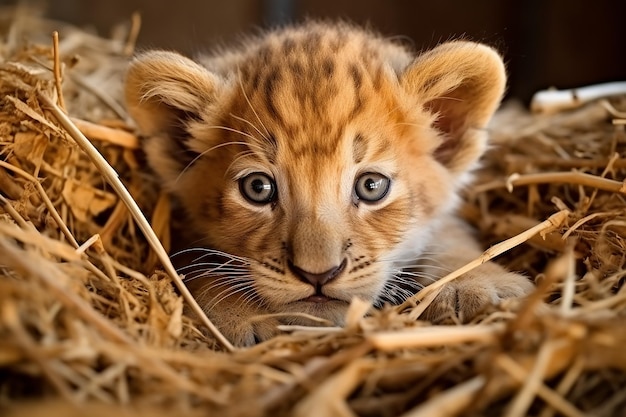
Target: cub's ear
(164,92)
(462,84)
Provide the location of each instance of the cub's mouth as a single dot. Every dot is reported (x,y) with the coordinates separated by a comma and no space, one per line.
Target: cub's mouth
(318,298)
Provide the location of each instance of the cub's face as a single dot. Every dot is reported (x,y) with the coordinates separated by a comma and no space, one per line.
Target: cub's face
(342,191)
(317,172)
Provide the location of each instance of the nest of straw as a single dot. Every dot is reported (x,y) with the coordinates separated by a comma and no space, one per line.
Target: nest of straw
(90,324)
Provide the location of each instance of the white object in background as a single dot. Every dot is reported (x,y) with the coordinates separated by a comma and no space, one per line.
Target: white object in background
(552,101)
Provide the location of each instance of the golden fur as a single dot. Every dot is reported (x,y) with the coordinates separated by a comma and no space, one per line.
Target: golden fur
(312,108)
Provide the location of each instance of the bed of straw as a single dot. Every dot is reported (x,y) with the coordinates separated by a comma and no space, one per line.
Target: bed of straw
(91,325)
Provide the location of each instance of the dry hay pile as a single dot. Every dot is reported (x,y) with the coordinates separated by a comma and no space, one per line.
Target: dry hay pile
(87,326)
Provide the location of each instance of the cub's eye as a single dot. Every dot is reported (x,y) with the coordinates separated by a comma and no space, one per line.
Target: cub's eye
(258,188)
(371,187)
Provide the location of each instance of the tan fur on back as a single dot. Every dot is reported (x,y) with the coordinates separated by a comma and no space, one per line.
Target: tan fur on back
(314,107)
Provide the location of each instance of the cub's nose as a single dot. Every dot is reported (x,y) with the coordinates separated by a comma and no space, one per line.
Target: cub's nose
(317,280)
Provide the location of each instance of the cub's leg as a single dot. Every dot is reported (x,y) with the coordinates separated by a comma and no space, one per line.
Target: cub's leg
(234,310)
(467,295)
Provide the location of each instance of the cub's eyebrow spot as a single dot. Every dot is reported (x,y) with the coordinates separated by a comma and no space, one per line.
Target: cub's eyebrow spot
(357,76)
(359,148)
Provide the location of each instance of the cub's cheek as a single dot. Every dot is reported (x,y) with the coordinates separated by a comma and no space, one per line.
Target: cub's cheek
(239,221)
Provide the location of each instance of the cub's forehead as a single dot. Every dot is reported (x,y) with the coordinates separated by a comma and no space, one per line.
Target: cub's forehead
(309,55)
(316,91)
(313,83)
(315,40)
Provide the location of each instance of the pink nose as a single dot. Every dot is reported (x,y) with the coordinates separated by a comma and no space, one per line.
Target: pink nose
(317,280)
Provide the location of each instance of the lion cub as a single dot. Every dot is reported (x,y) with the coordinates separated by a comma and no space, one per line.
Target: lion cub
(318,163)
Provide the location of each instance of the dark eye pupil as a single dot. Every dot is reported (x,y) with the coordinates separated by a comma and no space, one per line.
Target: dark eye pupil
(258,186)
(371,185)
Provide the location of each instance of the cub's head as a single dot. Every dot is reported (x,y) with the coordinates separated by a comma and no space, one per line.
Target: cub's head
(321,160)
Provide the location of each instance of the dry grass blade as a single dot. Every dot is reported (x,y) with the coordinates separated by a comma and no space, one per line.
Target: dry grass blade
(58,81)
(555,401)
(329,398)
(114,136)
(435,336)
(451,402)
(113,179)
(53,211)
(55,282)
(11,317)
(533,382)
(553,222)
(579,178)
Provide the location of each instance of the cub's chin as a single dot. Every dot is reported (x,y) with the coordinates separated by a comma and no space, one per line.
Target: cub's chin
(325,308)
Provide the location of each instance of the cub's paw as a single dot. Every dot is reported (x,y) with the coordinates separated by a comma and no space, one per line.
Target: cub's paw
(258,329)
(470,294)
(241,321)
(246,331)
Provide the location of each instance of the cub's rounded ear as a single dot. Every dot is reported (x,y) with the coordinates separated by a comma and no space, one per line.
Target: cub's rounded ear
(164,93)
(165,89)
(462,84)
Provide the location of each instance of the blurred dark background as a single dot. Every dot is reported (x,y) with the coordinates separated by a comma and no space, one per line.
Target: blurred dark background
(561,43)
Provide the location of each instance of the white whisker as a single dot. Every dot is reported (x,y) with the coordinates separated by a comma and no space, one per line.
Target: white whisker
(413,274)
(227,287)
(243,91)
(246,296)
(208,252)
(239,156)
(215,266)
(249,123)
(397,289)
(221,145)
